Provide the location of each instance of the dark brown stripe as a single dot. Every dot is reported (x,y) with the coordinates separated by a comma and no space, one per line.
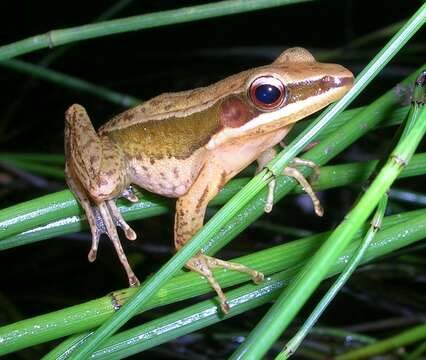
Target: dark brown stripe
(305,89)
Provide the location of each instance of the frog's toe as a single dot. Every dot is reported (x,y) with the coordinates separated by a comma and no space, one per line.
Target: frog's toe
(130,233)
(95,241)
(130,195)
(225,307)
(270,197)
(92,255)
(298,176)
(119,221)
(310,164)
(134,281)
(212,262)
(107,224)
(257,277)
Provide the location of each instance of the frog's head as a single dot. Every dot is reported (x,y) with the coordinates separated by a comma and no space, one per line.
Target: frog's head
(271,97)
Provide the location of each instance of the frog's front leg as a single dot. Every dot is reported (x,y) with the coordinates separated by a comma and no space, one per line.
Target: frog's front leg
(190,211)
(96,172)
(267,155)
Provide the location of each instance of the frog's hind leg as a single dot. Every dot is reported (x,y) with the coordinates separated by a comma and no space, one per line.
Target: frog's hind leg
(190,210)
(95,172)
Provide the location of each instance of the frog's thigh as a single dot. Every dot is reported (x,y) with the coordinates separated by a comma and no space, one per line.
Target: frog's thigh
(97,162)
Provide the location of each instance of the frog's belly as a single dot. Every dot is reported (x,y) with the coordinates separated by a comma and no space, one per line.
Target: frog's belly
(169,177)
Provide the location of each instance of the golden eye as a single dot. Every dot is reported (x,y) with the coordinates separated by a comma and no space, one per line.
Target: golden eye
(267,92)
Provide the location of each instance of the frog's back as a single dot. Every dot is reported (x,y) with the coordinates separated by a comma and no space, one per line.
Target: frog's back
(178,104)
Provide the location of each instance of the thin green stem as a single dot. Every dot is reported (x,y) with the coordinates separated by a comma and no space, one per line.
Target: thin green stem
(393,117)
(42,169)
(293,344)
(381,347)
(71,82)
(139,22)
(107,14)
(343,334)
(52,159)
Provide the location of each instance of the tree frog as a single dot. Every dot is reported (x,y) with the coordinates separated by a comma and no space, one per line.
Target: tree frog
(188,145)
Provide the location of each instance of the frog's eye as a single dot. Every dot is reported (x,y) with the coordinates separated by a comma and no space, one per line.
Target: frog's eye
(267,92)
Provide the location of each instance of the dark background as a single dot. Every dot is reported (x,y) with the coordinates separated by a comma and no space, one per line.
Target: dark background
(52,274)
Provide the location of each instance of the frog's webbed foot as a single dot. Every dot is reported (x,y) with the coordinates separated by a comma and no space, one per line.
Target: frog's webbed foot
(204,264)
(293,172)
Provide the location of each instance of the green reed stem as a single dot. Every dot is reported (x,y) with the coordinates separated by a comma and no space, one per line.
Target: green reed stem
(71,82)
(293,344)
(405,338)
(186,14)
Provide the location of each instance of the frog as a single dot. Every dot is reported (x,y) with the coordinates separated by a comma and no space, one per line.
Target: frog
(187,145)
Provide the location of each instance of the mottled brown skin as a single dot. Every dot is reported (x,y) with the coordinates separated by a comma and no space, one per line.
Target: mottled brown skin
(188,145)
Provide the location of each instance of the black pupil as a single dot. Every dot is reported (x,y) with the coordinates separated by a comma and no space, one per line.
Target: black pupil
(267,94)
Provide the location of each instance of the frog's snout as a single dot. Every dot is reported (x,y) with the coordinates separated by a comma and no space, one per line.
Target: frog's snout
(342,77)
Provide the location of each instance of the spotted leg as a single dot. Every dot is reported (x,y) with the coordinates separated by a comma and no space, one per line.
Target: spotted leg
(95,173)
(293,172)
(190,211)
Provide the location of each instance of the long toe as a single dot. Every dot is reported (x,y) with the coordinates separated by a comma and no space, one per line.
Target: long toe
(133,281)
(258,277)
